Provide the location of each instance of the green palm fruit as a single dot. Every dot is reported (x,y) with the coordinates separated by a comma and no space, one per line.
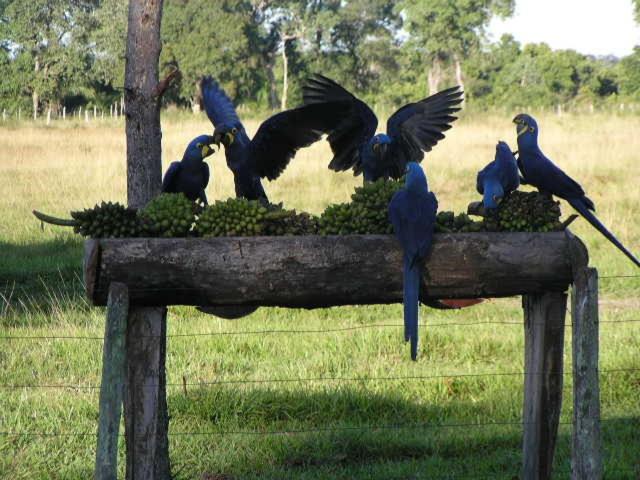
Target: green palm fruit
(168,215)
(107,220)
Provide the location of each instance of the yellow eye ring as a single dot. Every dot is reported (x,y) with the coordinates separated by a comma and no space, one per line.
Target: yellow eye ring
(375,147)
(198,145)
(531,129)
(234,130)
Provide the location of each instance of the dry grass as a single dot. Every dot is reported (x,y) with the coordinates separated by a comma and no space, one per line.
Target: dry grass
(57,169)
(66,167)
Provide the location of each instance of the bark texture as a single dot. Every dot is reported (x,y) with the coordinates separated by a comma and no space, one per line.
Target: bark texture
(315,271)
(145,407)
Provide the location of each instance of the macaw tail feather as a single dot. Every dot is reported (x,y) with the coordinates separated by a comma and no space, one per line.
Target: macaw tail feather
(583,209)
(411,291)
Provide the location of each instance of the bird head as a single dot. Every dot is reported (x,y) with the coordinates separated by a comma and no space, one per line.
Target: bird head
(493,194)
(199,148)
(504,153)
(379,145)
(527,130)
(415,177)
(225,134)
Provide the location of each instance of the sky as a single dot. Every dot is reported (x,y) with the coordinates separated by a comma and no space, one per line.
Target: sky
(597,27)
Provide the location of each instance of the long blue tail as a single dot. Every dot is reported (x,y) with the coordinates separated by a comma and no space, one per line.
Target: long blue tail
(581,207)
(411,290)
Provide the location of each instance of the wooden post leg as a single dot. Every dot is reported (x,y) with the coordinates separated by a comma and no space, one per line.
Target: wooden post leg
(586,456)
(145,405)
(544,316)
(111,387)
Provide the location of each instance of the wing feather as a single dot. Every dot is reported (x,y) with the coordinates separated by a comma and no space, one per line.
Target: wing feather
(217,104)
(355,129)
(282,135)
(417,127)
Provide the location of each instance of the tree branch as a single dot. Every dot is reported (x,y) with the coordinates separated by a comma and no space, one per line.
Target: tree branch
(162,85)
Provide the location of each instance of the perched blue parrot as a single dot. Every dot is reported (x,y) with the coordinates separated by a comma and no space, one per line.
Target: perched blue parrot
(412,130)
(274,144)
(542,173)
(191,174)
(412,212)
(498,178)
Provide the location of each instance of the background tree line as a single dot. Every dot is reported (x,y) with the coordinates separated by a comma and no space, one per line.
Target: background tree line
(70,53)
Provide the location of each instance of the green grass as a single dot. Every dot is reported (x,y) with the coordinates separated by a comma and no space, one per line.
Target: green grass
(348,426)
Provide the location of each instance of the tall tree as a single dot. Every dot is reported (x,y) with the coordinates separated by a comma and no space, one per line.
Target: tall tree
(449,30)
(50,35)
(204,37)
(145,402)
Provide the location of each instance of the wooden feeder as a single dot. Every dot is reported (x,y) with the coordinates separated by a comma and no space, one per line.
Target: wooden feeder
(325,271)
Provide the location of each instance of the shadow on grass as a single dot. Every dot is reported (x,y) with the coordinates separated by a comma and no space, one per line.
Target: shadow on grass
(40,275)
(358,433)
(289,431)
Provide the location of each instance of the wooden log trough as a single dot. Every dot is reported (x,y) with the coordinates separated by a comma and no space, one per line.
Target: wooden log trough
(324,271)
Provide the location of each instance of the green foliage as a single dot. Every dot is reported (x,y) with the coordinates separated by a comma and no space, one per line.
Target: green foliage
(49,40)
(629,74)
(168,215)
(58,53)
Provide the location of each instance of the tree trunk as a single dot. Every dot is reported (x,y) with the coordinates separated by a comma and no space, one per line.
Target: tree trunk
(271,78)
(459,77)
(434,75)
(145,407)
(285,73)
(35,98)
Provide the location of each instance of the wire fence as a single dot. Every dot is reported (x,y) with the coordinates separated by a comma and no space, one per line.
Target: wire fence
(321,379)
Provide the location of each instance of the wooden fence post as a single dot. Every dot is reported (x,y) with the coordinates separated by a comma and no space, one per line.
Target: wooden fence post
(586,455)
(111,387)
(544,316)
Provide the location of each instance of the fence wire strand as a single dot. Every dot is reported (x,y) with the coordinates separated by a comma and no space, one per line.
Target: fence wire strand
(317,379)
(296,331)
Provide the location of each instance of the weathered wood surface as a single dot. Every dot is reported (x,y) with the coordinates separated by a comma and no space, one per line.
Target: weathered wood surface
(316,271)
(112,385)
(587,447)
(145,398)
(544,316)
(145,408)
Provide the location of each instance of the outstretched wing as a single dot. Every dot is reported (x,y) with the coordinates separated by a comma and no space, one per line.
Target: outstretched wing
(413,222)
(218,106)
(170,177)
(280,136)
(417,127)
(355,129)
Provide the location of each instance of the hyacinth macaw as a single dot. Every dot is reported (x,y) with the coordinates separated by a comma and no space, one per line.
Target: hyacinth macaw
(412,130)
(191,174)
(498,178)
(274,144)
(542,173)
(412,212)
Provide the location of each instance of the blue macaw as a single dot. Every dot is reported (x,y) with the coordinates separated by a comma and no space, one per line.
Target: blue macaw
(191,174)
(411,130)
(274,144)
(542,173)
(412,212)
(498,178)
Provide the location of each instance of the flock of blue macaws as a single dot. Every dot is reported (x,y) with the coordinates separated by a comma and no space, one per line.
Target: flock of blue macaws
(350,128)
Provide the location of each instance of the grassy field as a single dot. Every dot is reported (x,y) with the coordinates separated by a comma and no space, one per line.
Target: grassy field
(369,421)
